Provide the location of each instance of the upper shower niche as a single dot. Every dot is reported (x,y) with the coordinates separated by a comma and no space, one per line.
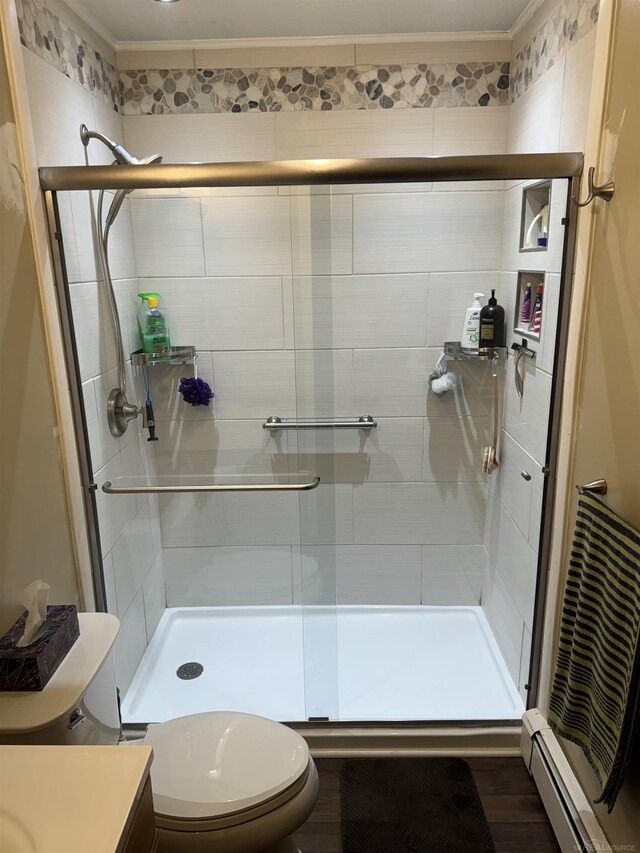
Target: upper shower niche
(534,224)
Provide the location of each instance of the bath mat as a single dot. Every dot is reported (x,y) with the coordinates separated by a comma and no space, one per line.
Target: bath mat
(411,805)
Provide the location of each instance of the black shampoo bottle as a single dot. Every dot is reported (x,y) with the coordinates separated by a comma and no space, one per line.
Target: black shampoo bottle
(492,329)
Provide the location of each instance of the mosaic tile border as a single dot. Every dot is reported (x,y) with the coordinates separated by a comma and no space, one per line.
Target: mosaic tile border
(47,36)
(363,87)
(155,92)
(570,22)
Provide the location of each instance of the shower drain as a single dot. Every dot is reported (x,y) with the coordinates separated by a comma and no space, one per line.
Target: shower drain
(189,670)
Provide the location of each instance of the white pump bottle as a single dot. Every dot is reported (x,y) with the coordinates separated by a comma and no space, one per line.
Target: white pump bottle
(471,328)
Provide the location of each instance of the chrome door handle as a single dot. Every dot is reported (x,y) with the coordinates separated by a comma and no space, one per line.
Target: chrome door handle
(363,422)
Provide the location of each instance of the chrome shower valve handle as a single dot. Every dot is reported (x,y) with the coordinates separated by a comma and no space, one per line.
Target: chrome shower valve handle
(120,411)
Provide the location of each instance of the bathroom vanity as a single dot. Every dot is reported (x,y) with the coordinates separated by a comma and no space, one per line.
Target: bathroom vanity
(74,799)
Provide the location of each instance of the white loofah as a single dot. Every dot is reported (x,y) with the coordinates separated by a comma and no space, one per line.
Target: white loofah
(446,382)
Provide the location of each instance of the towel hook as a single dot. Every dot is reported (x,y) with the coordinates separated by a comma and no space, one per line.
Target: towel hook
(605,192)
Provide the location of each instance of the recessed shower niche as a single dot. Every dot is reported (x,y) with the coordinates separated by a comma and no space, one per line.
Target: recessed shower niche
(534,221)
(529,304)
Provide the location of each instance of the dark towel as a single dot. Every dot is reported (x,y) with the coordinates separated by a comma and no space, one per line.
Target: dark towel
(595,698)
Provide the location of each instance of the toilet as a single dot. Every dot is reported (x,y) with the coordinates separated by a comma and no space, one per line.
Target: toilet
(229,782)
(222,781)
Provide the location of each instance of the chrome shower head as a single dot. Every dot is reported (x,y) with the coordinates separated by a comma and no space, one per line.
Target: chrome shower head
(122,156)
(151,160)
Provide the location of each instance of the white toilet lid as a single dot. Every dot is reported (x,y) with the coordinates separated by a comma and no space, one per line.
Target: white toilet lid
(219,763)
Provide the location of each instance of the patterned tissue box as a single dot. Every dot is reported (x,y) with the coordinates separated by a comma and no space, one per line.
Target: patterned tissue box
(31,667)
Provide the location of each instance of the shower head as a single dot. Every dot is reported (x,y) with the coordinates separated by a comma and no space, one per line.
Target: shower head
(122,156)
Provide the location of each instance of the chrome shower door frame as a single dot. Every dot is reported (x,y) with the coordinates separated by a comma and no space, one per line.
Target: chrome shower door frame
(320,172)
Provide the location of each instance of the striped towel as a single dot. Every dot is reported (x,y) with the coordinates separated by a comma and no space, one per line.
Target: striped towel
(595,698)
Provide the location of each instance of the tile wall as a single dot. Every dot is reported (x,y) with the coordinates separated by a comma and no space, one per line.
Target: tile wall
(129,528)
(551,115)
(331,303)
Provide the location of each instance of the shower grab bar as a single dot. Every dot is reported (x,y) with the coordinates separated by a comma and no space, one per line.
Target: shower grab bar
(110,489)
(363,422)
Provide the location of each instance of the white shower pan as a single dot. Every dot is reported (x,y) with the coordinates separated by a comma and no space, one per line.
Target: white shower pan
(347,663)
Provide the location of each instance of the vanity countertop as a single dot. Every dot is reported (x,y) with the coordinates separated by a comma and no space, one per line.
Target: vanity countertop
(69,799)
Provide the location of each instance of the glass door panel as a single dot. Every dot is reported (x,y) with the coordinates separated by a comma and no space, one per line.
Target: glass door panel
(318,402)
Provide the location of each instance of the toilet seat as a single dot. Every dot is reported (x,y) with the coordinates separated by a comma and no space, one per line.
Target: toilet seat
(223,768)
(237,818)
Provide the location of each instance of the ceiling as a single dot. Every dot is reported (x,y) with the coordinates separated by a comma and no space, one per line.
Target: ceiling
(147,20)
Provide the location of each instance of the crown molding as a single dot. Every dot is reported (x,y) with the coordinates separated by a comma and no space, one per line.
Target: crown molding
(293,41)
(91,21)
(525,16)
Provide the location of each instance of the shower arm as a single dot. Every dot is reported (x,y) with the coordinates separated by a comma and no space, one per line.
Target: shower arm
(123,158)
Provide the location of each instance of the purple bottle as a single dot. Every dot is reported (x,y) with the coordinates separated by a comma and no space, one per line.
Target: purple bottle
(525,312)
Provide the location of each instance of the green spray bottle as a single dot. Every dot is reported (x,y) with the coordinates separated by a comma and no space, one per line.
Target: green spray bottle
(154,332)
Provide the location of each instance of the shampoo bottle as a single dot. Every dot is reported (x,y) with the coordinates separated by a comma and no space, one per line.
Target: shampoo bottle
(471,328)
(154,332)
(536,322)
(491,326)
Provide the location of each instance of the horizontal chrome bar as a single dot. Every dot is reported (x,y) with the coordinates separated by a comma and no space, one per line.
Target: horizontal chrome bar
(363,422)
(249,487)
(477,167)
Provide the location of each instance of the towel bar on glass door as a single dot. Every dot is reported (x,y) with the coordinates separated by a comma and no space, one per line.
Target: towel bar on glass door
(363,422)
(249,487)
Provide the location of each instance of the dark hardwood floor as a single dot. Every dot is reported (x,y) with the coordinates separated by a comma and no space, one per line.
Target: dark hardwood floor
(510,800)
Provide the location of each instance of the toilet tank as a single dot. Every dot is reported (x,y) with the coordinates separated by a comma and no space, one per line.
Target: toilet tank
(79,704)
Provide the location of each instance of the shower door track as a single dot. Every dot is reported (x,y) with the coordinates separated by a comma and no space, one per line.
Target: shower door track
(481,167)
(392,739)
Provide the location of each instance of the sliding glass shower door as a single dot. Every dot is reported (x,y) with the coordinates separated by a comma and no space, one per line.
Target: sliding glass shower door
(401,586)
(405,616)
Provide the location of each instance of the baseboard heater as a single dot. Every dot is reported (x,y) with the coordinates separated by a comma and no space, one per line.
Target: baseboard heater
(570,814)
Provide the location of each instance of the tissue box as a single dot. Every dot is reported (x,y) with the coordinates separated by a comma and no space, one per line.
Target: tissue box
(31,667)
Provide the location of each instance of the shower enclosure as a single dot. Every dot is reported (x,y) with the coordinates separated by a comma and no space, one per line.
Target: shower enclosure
(320,541)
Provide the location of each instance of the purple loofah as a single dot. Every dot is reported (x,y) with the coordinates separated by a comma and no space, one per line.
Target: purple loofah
(196,391)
